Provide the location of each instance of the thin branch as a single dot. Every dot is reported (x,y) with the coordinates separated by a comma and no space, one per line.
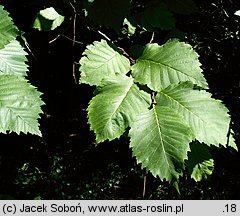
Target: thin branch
(144,186)
(152,38)
(73,42)
(54,39)
(62,35)
(105,36)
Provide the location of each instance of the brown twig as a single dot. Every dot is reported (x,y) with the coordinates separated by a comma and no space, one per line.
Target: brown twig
(74,41)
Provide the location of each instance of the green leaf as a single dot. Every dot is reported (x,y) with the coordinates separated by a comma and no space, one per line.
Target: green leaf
(101,61)
(160,66)
(200,162)
(182,6)
(47,19)
(8,31)
(207,117)
(12,59)
(231,142)
(20,106)
(109,13)
(131,28)
(237,13)
(156,15)
(160,141)
(115,106)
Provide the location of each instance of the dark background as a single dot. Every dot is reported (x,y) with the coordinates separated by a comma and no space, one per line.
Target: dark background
(65,163)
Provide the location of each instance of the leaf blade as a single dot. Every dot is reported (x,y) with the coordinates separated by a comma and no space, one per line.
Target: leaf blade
(115,106)
(109,13)
(207,117)
(160,142)
(200,162)
(12,59)
(47,19)
(20,106)
(8,31)
(173,62)
(101,61)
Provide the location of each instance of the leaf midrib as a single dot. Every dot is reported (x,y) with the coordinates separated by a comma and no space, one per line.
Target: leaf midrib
(119,104)
(160,137)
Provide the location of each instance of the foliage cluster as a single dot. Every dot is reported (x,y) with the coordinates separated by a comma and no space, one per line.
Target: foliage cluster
(155,94)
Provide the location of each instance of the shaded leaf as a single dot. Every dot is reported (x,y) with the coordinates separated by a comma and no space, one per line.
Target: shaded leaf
(156,15)
(207,117)
(200,162)
(8,31)
(109,13)
(20,106)
(160,141)
(160,66)
(101,61)
(182,6)
(47,19)
(115,106)
(12,59)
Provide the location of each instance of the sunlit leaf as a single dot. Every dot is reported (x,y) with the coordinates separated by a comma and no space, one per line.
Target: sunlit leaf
(101,61)
(12,59)
(160,141)
(20,106)
(115,106)
(8,31)
(237,13)
(48,19)
(160,66)
(208,118)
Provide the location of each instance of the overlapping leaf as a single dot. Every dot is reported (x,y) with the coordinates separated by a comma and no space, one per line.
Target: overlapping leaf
(8,31)
(207,117)
(12,59)
(160,141)
(200,162)
(109,13)
(20,106)
(47,19)
(160,66)
(115,106)
(101,61)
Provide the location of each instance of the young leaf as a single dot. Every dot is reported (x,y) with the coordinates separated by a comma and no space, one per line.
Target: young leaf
(160,141)
(115,106)
(200,162)
(160,66)
(20,106)
(207,117)
(101,61)
(109,13)
(12,59)
(8,31)
(48,19)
